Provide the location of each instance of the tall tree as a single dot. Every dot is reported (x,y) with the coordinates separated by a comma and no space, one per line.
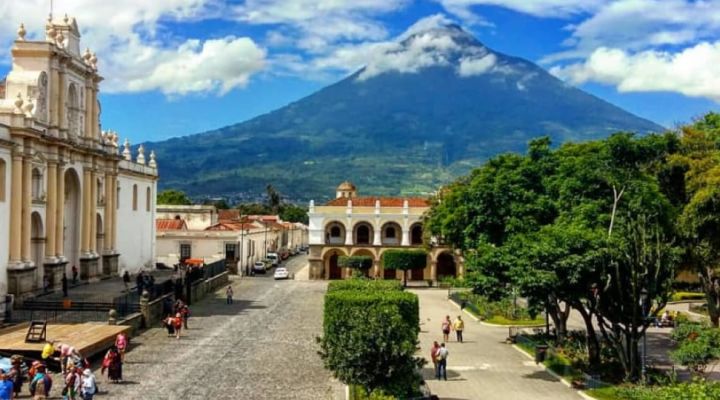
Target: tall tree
(173,197)
(273,199)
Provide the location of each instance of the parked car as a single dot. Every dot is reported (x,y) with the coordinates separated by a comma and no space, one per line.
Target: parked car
(259,267)
(281,273)
(274,259)
(284,254)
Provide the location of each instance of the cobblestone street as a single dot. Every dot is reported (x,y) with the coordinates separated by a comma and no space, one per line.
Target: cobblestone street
(261,347)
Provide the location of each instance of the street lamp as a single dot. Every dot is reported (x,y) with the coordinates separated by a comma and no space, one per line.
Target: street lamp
(643,305)
(242,245)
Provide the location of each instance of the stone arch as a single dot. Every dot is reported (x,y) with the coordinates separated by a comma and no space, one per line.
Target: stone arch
(37,238)
(330,263)
(334,232)
(366,252)
(416,234)
(391,234)
(72,218)
(363,233)
(446,265)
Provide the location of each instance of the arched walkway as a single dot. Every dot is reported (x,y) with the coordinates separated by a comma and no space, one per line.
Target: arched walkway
(334,233)
(446,266)
(365,252)
(391,234)
(37,237)
(331,264)
(416,234)
(363,233)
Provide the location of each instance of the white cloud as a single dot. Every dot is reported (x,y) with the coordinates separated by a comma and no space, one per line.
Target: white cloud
(470,66)
(693,72)
(217,65)
(135,51)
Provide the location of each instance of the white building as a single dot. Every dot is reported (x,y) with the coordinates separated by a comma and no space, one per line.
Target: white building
(240,240)
(66,196)
(350,225)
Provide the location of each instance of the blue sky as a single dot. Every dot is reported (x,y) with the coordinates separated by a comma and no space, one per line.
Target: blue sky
(177,67)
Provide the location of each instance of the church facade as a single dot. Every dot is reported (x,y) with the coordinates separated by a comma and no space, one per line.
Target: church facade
(69,195)
(350,225)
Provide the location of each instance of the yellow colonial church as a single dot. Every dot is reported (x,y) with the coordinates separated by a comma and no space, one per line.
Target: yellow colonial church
(68,195)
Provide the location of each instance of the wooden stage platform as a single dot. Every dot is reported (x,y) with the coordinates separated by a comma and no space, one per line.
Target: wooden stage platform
(89,338)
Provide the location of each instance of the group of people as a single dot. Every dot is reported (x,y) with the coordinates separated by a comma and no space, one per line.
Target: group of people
(177,320)
(143,281)
(63,281)
(439,353)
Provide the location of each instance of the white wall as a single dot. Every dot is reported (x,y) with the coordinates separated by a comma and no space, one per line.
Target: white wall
(135,228)
(5,155)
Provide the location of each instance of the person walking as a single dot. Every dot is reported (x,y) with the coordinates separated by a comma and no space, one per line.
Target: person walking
(72,382)
(459,326)
(446,325)
(229,294)
(185,314)
(178,324)
(113,364)
(64,285)
(121,343)
(126,280)
(433,356)
(89,386)
(74,273)
(442,355)
(41,383)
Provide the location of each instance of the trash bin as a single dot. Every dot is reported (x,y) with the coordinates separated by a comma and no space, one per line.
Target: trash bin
(540,353)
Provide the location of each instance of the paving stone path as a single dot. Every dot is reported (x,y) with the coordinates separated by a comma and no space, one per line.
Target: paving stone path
(261,347)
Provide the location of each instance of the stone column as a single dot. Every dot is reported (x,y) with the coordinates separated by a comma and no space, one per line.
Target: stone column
(377,235)
(62,98)
(60,213)
(86,191)
(107,213)
(51,209)
(113,214)
(96,114)
(433,270)
(16,209)
(349,233)
(93,212)
(405,241)
(26,209)
(54,97)
(88,132)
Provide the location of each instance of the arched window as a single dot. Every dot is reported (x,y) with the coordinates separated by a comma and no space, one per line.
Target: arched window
(335,232)
(148,194)
(36,184)
(390,232)
(73,115)
(3,170)
(416,236)
(135,196)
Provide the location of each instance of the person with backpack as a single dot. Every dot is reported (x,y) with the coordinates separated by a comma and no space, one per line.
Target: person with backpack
(433,356)
(72,382)
(41,383)
(441,356)
(446,325)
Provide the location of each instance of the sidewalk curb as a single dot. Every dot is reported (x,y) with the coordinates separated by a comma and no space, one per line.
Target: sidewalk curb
(465,311)
(581,393)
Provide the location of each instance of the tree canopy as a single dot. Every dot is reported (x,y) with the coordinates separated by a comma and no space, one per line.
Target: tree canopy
(173,197)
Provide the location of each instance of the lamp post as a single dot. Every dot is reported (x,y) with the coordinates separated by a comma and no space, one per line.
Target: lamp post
(643,307)
(242,248)
(265,241)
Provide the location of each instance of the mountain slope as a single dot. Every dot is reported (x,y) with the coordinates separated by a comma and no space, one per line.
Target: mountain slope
(420,113)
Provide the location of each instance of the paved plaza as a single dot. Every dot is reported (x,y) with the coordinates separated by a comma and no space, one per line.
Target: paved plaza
(483,367)
(261,347)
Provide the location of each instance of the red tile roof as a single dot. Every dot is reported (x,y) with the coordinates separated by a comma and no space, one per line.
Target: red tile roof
(228,215)
(232,226)
(384,201)
(170,224)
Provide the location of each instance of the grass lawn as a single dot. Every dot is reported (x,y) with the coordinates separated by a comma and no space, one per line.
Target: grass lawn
(680,296)
(606,393)
(500,320)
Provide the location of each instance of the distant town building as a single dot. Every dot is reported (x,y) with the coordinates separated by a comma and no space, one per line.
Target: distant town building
(351,225)
(202,232)
(68,197)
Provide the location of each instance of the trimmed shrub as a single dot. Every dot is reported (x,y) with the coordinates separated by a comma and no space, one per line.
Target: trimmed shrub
(366,284)
(369,339)
(404,260)
(355,262)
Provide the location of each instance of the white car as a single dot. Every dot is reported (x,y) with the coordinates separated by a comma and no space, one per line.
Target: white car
(259,267)
(282,273)
(274,258)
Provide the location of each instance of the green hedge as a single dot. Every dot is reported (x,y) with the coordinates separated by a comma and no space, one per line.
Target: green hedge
(684,391)
(404,259)
(680,296)
(364,284)
(369,339)
(356,262)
